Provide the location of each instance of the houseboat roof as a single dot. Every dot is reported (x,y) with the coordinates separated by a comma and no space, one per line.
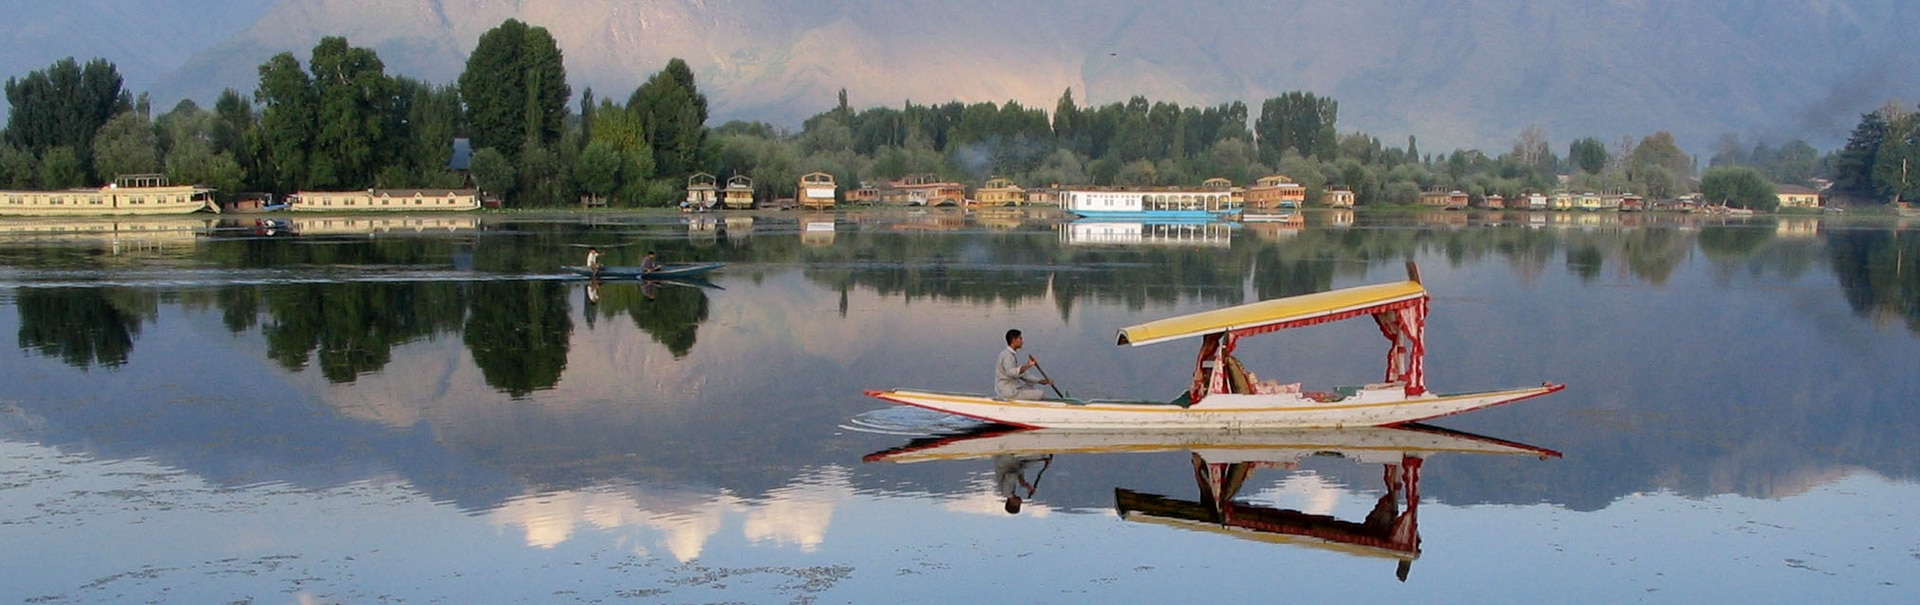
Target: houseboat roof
(1279,313)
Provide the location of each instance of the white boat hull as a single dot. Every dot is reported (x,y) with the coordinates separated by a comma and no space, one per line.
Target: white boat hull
(1383,445)
(1384,406)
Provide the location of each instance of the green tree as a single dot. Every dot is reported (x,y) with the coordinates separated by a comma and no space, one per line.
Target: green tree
(18,168)
(515,88)
(127,144)
(1066,121)
(60,168)
(355,123)
(1853,165)
(1659,166)
(493,172)
(64,105)
(1299,121)
(598,171)
(1589,155)
(672,115)
(286,126)
(1739,187)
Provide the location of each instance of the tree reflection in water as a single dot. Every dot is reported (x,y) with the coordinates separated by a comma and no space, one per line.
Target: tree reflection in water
(518,332)
(84,327)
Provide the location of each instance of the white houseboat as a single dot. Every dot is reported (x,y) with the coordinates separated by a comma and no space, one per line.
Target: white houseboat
(414,200)
(1150,204)
(134,194)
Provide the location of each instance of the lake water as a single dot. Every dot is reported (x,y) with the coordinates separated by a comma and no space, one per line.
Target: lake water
(423,409)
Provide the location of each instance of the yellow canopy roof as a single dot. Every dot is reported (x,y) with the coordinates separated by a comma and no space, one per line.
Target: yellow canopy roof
(1307,307)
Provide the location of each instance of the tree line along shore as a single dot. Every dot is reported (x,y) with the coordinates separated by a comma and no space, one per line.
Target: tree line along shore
(340,122)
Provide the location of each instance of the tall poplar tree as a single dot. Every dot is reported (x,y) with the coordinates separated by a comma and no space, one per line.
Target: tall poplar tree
(515,89)
(1300,121)
(673,118)
(286,123)
(355,128)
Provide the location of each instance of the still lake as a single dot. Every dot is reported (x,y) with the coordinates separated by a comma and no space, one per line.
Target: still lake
(422,409)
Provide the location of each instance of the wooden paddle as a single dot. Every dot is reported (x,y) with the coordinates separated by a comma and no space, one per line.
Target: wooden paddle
(1043,374)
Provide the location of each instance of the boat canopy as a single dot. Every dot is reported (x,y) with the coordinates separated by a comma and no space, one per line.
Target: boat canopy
(1281,313)
(1399,308)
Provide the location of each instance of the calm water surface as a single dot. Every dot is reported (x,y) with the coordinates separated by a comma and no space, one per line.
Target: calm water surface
(422,409)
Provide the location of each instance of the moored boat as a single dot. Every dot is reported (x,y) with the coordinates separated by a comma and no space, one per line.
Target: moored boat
(1150,204)
(134,194)
(1223,395)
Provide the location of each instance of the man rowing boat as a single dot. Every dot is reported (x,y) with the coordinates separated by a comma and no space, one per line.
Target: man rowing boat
(1010,380)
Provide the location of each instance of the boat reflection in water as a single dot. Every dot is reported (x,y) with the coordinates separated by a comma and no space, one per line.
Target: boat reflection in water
(1209,234)
(1223,461)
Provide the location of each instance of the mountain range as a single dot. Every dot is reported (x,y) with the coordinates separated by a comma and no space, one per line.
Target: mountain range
(1455,73)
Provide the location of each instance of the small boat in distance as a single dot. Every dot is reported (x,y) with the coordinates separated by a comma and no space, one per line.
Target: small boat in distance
(667,271)
(1223,395)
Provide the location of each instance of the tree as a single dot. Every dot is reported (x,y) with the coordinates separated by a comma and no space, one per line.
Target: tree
(64,106)
(515,88)
(193,161)
(493,172)
(598,171)
(356,126)
(673,119)
(126,145)
(60,168)
(1896,164)
(1066,121)
(1299,121)
(1530,148)
(1659,166)
(1589,155)
(286,122)
(18,168)
(1739,187)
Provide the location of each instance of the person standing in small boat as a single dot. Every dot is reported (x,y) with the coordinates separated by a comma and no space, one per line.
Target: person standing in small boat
(650,263)
(1010,380)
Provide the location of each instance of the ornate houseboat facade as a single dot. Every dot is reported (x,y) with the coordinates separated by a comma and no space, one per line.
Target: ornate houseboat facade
(816,191)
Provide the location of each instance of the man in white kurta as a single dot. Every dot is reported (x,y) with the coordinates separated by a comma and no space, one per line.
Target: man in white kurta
(1010,380)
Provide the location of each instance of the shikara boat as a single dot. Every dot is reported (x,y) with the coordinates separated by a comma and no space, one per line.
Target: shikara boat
(668,271)
(1222,395)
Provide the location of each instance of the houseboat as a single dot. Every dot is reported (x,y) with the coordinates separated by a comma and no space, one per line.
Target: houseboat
(703,193)
(1000,192)
(923,190)
(391,200)
(134,194)
(1150,204)
(739,193)
(1276,192)
(816,191)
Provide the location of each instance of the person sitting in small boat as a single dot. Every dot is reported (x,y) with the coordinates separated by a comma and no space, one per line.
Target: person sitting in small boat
(593,260)
(1010,474)
(650,263)
(1010,380)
